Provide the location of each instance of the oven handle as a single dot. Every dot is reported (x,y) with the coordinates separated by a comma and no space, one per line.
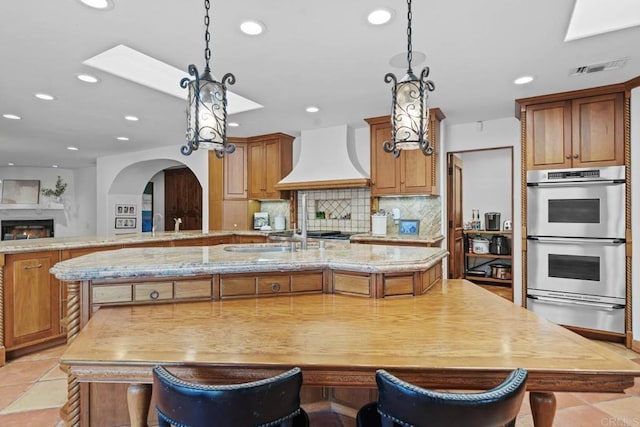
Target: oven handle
(575,183)
(598,305)
(577,240)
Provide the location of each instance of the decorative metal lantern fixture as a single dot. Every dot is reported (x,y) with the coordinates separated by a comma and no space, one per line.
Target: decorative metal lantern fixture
(207,106)
(409,110)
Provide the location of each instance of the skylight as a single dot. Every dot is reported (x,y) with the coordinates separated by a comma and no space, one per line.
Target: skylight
(594,17)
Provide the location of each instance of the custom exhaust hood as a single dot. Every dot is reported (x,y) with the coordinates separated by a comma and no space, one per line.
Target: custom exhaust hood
(327,160)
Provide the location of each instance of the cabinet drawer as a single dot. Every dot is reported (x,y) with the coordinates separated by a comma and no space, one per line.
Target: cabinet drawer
(398,285)
(114,293)
(153,291)
(306,282)
(192,289)
(273,284)
(235,286)
(350,283)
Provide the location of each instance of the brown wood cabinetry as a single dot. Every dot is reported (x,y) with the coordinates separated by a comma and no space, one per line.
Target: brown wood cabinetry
(183,199)
(32,299)
(412,172)
(579,132)
(269,159)
(235,173)
(264,284)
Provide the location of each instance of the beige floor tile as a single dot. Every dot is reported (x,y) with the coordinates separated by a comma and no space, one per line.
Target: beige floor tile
(10,393)
(626,409)
(54,373)
(44,394)
(584,416)
(41,418)
(24,372)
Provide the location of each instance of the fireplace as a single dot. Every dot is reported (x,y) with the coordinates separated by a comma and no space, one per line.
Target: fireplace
(26,229)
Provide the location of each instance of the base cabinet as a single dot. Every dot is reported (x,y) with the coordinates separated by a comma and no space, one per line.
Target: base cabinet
(32,299)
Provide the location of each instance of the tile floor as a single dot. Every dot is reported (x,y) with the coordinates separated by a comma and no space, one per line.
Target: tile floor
(32,390)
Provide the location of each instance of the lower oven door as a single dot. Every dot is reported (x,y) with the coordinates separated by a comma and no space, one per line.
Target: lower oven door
(581,314)
(586,267)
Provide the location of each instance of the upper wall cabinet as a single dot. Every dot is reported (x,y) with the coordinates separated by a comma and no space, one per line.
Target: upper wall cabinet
(412,173)
(270,158)
(576,132)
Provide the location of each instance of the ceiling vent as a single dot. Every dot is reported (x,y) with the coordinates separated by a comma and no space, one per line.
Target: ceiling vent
(602,66)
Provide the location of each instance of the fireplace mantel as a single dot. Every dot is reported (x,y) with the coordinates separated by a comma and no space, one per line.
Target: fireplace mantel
(32,207)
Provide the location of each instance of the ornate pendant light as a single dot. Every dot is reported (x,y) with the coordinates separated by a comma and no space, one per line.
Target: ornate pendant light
(207,105)
(409,110)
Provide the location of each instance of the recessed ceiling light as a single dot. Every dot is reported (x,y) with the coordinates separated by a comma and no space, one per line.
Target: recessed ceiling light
(122,138)
(54,166)
(72,148)
(312,109)
(45,96)
(380,16)
(98,4)
(11,117)
(234,124)
(523,80)
(10,164)
(252,28)
(131,118)
(87,78)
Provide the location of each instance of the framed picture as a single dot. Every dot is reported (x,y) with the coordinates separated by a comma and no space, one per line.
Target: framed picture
(125,222)
(409,226)
(20,191)
(126,210)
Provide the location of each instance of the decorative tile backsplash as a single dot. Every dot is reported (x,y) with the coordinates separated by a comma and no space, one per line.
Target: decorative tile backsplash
(349,210)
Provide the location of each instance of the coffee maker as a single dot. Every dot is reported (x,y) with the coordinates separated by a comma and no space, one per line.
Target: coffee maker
(492,221)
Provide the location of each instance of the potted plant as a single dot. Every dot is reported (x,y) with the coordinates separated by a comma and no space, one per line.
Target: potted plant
(56,192)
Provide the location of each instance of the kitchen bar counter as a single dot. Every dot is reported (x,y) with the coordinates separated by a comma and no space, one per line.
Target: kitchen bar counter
(61,243)
(192,261)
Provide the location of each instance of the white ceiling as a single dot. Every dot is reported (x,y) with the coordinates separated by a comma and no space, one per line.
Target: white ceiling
(313,53)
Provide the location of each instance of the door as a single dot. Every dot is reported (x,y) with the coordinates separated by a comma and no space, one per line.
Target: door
(454,214)
(183,199)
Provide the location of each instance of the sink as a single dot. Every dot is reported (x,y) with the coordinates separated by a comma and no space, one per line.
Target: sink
(257,249)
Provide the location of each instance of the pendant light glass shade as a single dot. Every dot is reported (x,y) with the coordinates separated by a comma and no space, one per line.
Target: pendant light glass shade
(409,110)
(207,106)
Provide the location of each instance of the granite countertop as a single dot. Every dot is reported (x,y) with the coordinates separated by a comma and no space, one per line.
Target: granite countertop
(398,238)
(59,243)
(191,261)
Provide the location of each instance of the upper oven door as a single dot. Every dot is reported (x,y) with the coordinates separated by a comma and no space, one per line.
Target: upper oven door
(569,267)
(576,209)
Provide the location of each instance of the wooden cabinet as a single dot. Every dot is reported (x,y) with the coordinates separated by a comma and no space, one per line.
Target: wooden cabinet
(32,299)
(264,284)
(269,160)
(412,173)
(183,199)
(235,173)
(575,133)
(238,214)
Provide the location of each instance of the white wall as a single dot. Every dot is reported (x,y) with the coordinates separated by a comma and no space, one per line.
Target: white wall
(493,133)
(77,218)
(122,179)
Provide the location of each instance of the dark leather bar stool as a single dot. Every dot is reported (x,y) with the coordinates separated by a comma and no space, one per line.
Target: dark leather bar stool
(403,404)
(271,402)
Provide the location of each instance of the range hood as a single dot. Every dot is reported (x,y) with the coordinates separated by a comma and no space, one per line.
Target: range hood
(327,160)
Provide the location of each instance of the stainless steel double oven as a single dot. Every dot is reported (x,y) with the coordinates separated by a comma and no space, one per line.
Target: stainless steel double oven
(576,247)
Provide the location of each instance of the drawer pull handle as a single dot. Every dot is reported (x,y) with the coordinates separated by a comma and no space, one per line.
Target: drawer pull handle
(275,287)
(29,267)
(154,294)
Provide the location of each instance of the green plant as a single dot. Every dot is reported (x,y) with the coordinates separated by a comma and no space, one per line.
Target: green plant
(55,192)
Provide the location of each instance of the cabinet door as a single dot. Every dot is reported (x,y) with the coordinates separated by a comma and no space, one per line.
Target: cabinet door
(235,215)
(271,168)
(32,298)
(549,135)
(385,169)
(256,164)
(235,173)
(597,132)
(415,172)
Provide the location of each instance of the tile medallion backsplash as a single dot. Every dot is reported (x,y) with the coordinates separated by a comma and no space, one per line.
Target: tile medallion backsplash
(349,210)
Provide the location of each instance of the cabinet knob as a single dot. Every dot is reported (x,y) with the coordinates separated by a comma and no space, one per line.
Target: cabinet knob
(575,156)
(275,287)
(154,294)
(568,156)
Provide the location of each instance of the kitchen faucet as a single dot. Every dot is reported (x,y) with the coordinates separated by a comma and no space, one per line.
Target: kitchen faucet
(303,225)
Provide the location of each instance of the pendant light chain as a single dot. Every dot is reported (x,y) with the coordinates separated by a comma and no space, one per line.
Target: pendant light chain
(409,54)
(207,36)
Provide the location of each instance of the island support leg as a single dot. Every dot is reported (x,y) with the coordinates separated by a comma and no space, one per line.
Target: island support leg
(139,401)
(543,408)
(70,412)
